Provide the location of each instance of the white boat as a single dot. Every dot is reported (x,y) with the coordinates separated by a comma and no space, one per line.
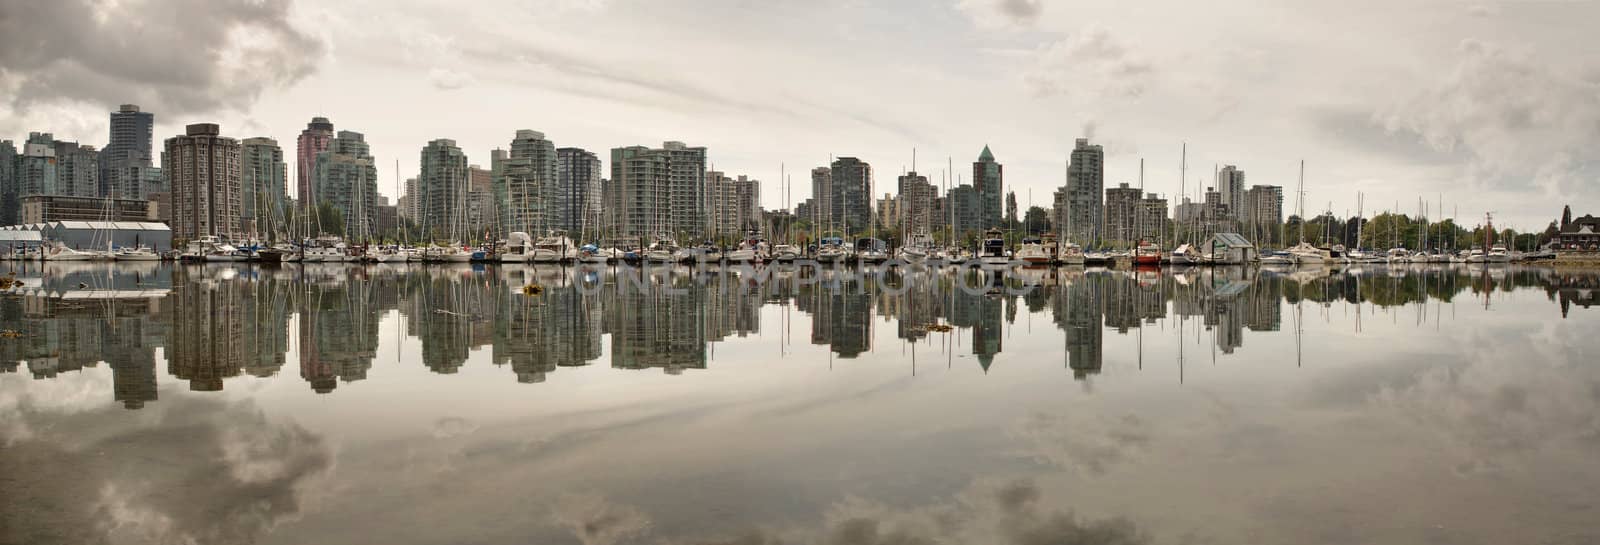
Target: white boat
(785,253)
(1033,252)
(1185,255)
(707,253)
(872,250)
(517,248)
(1277,258)
(1499,254)
(833,250)
(140,253)
(594,254)
(57,251)
(752,250)
(662,250)
(993,250)
(554,247)
(1070,254)
(957,256)
(1306,254)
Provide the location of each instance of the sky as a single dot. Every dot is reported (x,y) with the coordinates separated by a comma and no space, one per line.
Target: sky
(1485,107)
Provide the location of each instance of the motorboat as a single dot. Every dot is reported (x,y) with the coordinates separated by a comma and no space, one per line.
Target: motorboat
(1033,252)
(833,250)
(785,253)
(957,256)
(1095,257)
(516,248)
(1278,258)
(593,254)
(663,250)
(1147,254)
(993,250)
(1499,254)
(1306,254)
(1185,254)
(554,247)
(137,253)
(872,250)
(1070,254)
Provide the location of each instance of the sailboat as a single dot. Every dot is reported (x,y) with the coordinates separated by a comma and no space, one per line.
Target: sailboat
(517,248)
(663,250)
(554,247)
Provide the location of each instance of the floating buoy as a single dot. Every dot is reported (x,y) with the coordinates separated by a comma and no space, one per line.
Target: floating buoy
(532,289)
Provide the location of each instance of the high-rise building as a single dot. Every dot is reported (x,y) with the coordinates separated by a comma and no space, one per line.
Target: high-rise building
(851,200)
(483,210)
(1230,186)
(410,204)
(526,186)
(989,180)
(130,146)
(578,190)
(733,203)
(203,167)
(346,178)
(10,200)
(1263,211)
(821,197)
(313,140)
(442,188)
(658,190)
(1151,222)
(36,166)
(1122,209)
(966,211)
(1085,189)
(916,203)
(263,182)
(77,170)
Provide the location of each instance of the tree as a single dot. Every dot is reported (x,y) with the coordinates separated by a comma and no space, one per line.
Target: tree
(330,220)
(1566,216)
(1036,220)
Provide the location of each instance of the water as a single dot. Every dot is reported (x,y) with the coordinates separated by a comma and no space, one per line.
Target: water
(345,404)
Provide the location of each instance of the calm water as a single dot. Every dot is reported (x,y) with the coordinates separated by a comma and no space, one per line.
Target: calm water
(333,404)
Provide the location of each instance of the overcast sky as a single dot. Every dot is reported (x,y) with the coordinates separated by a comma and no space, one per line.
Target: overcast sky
(1494,106)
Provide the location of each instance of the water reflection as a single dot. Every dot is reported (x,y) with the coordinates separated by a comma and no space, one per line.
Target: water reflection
(211,324)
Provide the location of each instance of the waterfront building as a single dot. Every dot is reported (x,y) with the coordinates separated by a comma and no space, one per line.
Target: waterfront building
(263,182)
(526,186)
(483,208)
(203,167)
(10,204)
(850,185)
(77,170)
(734,203)
(442,188)
(578,190)
(989,181)
(49,208)
(1230,186)
(1122,209)
(821,200)
(1085,190)
(315,139)
(1263,212)
(658,190)
(916,197)
(346,179)
(129,151)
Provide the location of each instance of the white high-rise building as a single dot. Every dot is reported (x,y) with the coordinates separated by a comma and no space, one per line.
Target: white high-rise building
(1085,193)
(1230,183)
(525,184)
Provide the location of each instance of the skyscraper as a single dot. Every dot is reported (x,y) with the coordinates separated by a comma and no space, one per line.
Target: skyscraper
(1263,212)
(578,189)
(733,203)
(1085,187)
(204,169)
(442,188)
(1122,209)
(345,178)
(10,200)
(1230,183)
(77,170)
(916,203)
(851,200)
(658,190)
(263,182)
(821,197)
(526,186)
(988,180)
(128,151)
(313,140)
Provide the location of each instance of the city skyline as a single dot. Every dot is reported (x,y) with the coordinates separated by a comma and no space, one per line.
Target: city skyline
(1489,107)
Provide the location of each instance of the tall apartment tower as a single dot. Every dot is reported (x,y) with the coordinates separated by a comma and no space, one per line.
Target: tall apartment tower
(822,196)
(578,191)
(313,140)
(851,201)
(263,181)
(10,200)
(442,189)
(526,186)
(1230,183)
(77,170)
(659,190)
(1085,193)
(989,180)
(916,196)
(128,151)
(1122,210)
(203,167)
(346,178)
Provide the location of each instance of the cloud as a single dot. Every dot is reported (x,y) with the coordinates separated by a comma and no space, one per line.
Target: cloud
(1088,443)
(1013,513)
(175,57)
(192,471)
(1483,10)
(448,79)
(595,520)
(991,14)
(1522,120)
(1088,66)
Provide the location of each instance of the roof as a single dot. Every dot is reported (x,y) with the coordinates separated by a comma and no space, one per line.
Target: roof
(1577,224)
(986,155)
(1232,240)
(111,225)
(20,236)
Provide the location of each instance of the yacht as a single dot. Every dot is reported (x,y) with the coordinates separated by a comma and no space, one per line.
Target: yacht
(594,254)
(708,253)
(1499,254)
(1306,254)
(1147,254)
(872,250)
(1070,254)
(1033,252)
(1185,255)
(957,255)
(833,250)
(785,253)
(517,248)
(752,250)
(994,248)
(56,251)
(1277,258)
(1097,257)
(663,250)
(554,247)
(138,253)
(1397,256)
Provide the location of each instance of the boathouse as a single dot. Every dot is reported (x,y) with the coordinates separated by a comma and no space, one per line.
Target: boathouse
(1228,249)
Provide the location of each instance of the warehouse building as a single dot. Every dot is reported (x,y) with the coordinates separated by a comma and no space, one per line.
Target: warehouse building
(91,235)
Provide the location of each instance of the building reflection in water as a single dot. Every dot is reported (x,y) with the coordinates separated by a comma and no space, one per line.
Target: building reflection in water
(213,323)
